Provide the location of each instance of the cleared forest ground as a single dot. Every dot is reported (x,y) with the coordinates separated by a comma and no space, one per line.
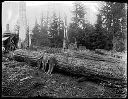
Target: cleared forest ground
(19,79)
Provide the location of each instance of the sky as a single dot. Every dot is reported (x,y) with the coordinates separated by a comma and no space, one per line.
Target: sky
(33,3)
(10,10)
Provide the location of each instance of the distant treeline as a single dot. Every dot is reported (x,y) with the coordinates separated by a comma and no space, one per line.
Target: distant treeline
(108,33)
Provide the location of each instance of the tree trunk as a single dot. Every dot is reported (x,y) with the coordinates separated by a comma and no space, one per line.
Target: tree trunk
(76,65)
(33,58)
(90,67)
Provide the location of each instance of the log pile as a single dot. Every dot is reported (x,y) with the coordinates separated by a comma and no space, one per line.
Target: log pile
(83,66)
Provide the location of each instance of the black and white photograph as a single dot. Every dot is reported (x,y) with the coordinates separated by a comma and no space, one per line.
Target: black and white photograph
(64,49)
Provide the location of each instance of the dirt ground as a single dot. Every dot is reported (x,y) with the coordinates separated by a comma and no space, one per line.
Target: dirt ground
(21,80)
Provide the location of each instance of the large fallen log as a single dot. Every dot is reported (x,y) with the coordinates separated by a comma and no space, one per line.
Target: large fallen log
(33,58)
(93,56)
(36,58)
(76,65)
(88,67)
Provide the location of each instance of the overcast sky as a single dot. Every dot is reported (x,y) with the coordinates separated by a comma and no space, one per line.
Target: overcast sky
(35,8)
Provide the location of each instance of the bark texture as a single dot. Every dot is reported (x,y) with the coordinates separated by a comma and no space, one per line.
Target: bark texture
(77,64)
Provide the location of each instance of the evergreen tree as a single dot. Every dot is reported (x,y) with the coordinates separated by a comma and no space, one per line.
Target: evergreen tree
(79,14)
(76,28)
(100,38)
(44,33)
(56,32)
(89,31)
(40,36)
(35,36)
(53,31)
(114,17)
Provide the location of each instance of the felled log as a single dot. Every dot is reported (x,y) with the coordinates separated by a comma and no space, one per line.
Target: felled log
(76,65)
(101,51)
(91,67)
(111,74)
(110,53)
(93,56)
(33,58)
